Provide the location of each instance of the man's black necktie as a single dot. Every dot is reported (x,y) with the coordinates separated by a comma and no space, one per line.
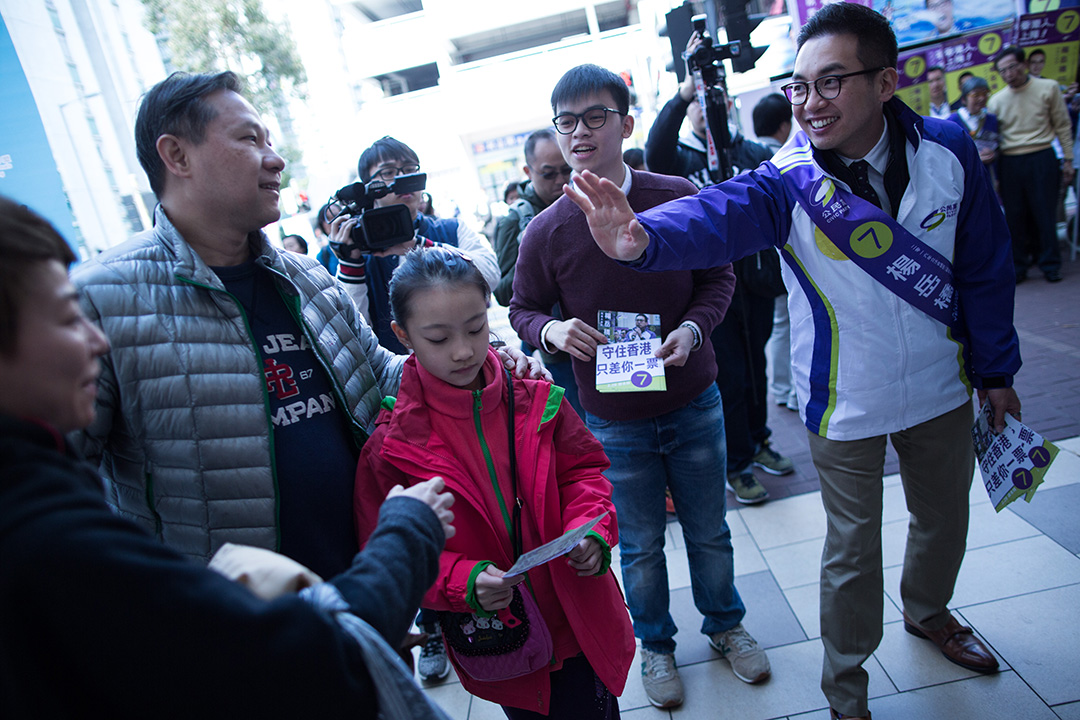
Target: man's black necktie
(860,169)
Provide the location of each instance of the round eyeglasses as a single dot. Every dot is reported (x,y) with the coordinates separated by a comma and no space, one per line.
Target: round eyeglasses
(388,173)
(827,86)
(594,119)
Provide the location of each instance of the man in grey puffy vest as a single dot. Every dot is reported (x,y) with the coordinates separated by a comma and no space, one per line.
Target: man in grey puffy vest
(242,380)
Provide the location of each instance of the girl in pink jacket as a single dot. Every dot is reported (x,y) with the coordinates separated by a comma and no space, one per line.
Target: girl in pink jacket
(452,418)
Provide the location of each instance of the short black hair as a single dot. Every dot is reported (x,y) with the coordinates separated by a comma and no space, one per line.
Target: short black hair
(511,186)
(177,106)
(1036,51)
(937,68)
(26,240)
(590,80)
(300,241)
(429,267)
(770,113)
(1014,50)
(634,157)
(382,150)
(535,139)
(876,41)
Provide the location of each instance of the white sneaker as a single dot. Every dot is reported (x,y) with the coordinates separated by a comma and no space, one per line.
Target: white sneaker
(747,659)
(661,679)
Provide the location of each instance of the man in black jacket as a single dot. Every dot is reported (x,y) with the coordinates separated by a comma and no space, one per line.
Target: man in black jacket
(739,340)
(100,619)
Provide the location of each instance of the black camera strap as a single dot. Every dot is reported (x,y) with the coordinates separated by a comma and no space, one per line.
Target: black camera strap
(516,539)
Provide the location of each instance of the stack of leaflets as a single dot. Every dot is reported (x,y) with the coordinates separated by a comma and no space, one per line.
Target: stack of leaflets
(1014,462)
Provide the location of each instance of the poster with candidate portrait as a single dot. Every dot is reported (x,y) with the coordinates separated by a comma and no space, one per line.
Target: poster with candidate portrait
(920,20)
(971,52)
(916,21)
(1057,34)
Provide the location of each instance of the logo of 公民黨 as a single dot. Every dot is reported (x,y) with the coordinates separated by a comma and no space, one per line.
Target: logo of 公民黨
(932,220)
(822,192)
(939,215)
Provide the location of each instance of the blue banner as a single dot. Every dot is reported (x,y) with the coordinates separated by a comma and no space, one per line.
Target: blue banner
(28,170)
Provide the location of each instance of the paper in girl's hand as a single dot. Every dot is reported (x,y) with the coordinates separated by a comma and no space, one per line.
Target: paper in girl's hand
(556,548)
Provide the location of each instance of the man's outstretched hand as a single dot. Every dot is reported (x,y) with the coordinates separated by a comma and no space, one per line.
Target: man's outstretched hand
(611,221)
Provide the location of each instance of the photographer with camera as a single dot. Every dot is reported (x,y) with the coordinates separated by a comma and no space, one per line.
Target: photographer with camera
(669,154)
(739,340)
(367,254)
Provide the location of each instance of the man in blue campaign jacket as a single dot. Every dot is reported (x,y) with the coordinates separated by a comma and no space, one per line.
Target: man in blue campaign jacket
(901,297)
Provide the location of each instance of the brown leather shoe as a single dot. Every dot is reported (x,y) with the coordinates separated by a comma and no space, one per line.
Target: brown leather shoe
(957,643)
(840,716)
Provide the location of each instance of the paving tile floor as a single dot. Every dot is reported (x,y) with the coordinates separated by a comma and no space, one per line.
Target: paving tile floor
(1019,588)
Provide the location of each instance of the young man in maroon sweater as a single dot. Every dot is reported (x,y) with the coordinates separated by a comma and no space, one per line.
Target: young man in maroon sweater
(654,440)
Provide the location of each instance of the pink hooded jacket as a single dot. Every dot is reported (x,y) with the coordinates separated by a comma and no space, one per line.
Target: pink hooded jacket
(437,429)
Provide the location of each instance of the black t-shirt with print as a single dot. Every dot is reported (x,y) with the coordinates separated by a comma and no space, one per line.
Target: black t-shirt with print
(314,454)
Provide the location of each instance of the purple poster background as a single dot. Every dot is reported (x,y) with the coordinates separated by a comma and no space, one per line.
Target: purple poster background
(1057,33)
(801,10)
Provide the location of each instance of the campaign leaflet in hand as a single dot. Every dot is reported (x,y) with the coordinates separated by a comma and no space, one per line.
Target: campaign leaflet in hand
(551,550)
(1013,463)
(628,362)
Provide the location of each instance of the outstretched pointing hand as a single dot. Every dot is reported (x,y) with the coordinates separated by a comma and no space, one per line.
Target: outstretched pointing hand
(611,221)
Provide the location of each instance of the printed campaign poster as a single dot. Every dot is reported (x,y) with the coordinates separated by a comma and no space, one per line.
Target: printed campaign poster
(628,362)
(1057,34)
(1038,6)
(1013,463)
(920,20)
(972,52)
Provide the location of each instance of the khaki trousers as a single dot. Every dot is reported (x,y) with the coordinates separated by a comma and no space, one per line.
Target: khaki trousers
(936,466)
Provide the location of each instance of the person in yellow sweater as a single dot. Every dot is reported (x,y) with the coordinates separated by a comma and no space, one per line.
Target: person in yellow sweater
(1031,112)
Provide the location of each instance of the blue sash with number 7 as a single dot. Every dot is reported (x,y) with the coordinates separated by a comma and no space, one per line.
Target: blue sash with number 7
(906,266)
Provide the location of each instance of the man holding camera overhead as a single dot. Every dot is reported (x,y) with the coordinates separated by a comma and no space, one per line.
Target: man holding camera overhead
(242,381)
(367,275)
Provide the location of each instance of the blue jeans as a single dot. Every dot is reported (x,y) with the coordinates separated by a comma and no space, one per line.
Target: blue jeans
(683,450)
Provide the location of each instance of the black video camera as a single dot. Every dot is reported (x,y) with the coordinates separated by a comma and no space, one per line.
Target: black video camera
(378,228)
(705,64)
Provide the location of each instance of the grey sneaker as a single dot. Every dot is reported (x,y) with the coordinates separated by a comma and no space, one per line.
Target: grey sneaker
(661,679)
(433,665)
(746,487)
(747,659)
(773,462)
